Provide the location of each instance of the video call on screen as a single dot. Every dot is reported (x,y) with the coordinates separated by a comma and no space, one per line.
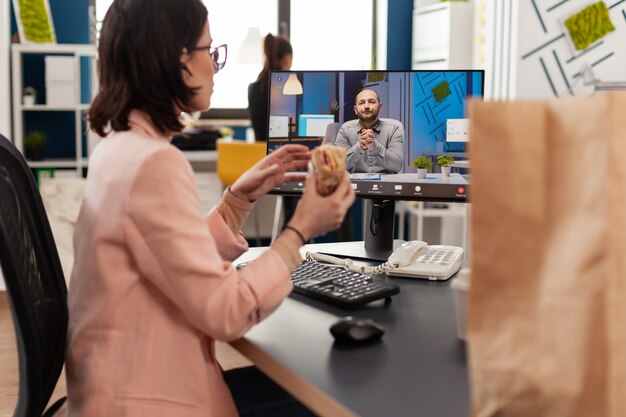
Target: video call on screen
(430,105)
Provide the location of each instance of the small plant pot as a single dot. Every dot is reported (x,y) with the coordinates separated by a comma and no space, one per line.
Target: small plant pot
(445,171)
(29,96)
(35,154)
(421,173)
(29,100)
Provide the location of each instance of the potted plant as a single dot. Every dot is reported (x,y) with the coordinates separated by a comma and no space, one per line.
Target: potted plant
(35,143)
(423,164)
(445,161)
(29,96)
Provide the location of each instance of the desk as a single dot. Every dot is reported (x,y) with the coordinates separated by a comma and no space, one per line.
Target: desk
(418,368)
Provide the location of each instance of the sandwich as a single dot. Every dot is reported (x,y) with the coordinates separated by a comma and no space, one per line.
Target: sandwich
(329,164)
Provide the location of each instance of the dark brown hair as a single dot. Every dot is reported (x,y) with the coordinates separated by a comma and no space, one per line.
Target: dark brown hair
(275,49)
(139,62)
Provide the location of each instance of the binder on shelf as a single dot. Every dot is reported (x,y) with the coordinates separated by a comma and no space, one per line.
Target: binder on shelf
(60,81)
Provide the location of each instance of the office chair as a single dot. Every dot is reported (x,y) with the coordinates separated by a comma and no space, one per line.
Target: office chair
(332,129)
(35,284)
(234,157)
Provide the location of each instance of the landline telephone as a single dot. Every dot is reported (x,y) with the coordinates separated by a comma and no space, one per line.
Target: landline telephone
(413,259)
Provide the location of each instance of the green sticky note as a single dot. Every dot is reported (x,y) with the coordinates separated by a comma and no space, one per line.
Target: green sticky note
(441,91)
(589,25)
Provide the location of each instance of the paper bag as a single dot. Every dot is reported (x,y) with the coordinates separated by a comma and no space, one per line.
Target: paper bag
(547,303)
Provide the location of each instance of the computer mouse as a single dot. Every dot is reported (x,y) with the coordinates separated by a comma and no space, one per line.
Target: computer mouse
(356,330)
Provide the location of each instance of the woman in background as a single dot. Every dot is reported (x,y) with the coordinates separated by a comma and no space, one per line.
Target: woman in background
(278,57)
(153,285)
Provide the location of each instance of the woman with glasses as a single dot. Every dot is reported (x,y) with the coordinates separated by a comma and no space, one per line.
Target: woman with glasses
(153,286)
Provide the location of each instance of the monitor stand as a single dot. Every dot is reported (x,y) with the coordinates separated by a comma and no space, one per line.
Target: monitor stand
(379,242)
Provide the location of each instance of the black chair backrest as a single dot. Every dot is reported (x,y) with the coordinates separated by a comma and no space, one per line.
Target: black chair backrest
(34,280)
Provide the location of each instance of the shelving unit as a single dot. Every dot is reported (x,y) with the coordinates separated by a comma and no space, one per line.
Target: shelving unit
(83,94)
(442,36)
(442,39)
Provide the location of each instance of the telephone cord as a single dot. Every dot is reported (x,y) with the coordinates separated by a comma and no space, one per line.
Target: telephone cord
(349,264)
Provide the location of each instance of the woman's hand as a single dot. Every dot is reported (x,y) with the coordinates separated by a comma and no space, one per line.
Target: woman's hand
(271,171)
(316,214)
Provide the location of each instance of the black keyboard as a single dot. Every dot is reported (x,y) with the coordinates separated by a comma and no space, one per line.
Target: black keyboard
(338,286)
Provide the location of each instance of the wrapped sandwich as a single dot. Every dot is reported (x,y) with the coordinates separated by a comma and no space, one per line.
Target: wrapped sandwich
(329,164)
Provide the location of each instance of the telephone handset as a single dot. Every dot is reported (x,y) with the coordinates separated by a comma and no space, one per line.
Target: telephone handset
(414,259)
(407,253)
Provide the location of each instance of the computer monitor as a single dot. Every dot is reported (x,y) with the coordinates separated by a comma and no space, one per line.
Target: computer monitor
(429,106)
(278,126)
(314,125)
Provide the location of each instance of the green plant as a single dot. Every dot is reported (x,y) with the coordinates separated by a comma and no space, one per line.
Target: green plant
(589,25)
(422,162)
(35,21)
(441,91)
(35,140)
(445,160)
(227,132)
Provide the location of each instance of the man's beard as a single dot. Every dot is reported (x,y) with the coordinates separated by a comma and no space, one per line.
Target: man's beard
(370,117)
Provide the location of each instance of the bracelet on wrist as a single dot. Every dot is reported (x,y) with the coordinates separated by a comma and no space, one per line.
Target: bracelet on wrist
(296,231)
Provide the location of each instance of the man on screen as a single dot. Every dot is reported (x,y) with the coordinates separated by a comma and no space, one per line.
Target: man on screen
(372,144)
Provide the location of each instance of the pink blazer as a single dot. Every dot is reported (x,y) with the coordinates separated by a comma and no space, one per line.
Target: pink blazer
(153,287)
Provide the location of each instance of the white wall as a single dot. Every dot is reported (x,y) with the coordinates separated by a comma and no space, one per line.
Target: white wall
(560,59)
(527,54)
(381,35)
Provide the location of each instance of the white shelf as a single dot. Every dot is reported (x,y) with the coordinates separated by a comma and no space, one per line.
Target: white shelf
(58,163)
(53,163)
(55,48)
(77,53)
(442,36)
(201,156)
(45,107)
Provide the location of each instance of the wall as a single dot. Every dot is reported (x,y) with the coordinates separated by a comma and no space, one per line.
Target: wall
(547,64)
(321,91)
(399,34)
(71,20)
(527,53)
(285,105)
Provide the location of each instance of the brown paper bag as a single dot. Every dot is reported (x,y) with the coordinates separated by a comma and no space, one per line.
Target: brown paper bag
(547,304)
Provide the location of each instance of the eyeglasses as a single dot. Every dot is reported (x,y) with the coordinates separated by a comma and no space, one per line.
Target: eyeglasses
(218,54)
